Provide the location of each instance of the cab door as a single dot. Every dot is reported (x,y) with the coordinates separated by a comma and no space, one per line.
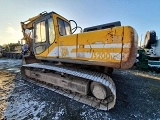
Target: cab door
(40,41)
(41,37)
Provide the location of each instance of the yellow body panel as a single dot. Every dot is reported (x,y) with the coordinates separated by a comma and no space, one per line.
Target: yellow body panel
(66,45)
(109,46)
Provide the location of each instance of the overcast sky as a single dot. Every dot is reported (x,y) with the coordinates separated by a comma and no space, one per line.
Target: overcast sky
(143,15)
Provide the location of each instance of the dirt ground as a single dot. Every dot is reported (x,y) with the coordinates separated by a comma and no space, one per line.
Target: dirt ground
(138,97)
(6,86)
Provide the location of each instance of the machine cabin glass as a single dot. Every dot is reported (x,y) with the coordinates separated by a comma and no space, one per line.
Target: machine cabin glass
(64,27)
(44,34)
(40,32)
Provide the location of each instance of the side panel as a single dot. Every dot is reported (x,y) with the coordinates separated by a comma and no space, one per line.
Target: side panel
(66,45)
(116,48)
(101,45)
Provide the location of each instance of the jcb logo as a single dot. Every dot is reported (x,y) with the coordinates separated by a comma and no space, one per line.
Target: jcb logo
(64,52)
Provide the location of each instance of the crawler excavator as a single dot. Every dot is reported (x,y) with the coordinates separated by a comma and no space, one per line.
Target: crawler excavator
(77,65)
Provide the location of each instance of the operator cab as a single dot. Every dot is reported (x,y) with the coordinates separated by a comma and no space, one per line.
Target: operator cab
(41,31)
(47,30)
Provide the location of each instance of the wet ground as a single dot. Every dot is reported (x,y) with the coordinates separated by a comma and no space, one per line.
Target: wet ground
(138,97)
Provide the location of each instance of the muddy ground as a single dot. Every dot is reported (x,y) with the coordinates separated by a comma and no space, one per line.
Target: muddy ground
(138,97)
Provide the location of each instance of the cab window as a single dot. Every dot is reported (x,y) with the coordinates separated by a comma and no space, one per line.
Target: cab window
(51,31)
(64,27)
(40,32)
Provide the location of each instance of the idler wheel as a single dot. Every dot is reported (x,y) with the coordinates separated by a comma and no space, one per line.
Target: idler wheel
(99,90)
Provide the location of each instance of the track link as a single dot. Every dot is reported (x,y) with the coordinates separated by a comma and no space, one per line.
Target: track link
(90,100)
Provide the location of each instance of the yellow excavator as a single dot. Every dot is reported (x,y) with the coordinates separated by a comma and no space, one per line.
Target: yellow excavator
(77,65)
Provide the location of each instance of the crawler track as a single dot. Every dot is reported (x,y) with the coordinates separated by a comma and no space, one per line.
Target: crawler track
(88,99)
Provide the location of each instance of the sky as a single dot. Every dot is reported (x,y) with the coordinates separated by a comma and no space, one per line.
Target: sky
(143,15)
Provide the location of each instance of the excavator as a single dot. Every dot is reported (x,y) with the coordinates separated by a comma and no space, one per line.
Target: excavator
(77,65)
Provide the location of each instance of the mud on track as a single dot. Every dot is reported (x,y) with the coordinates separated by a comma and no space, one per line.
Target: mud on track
(138,97)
